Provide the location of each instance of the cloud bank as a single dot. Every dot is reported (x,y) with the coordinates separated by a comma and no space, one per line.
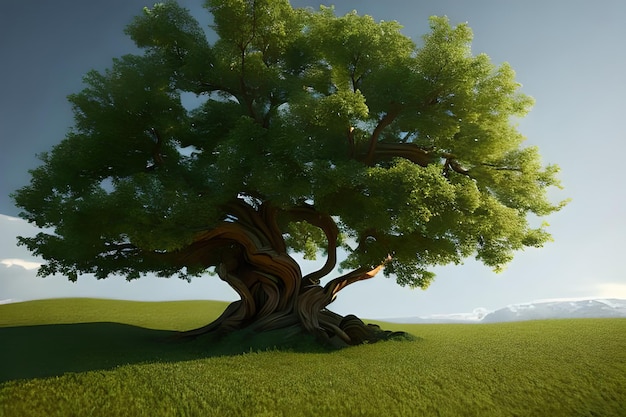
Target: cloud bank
(28,265)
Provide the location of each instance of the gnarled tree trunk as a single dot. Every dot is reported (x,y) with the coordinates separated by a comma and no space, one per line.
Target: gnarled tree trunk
(251,256)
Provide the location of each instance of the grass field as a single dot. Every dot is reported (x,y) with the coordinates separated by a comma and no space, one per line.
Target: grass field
(82,357)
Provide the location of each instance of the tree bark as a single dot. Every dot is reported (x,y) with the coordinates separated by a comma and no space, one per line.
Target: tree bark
(251,256)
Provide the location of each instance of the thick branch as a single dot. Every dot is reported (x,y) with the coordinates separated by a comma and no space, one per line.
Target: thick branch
(156,149)
(329,227)
(333,287)
(410,151)
(382,124)
(210,88)
(256,231)
(452,163)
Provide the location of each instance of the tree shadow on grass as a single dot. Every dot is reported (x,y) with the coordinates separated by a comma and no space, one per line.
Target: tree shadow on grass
(28,352)
(52,350)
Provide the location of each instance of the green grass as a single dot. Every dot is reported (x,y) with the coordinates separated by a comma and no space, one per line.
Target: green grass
(170,315)
(113,358)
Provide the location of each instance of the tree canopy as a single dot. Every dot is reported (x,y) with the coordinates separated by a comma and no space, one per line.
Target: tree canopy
(318,130)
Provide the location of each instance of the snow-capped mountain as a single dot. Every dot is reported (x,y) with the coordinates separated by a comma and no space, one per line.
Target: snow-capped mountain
(559,310)
(540,310)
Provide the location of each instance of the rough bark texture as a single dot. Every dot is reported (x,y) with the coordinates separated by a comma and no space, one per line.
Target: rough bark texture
(253,260)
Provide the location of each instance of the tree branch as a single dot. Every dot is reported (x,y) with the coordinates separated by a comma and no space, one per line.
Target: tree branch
(329,227)
(351,143)
(409,151)
(156,149)
(452,163)
(501,168)
(333,287)
(386,120)
(210,88)
(119,247)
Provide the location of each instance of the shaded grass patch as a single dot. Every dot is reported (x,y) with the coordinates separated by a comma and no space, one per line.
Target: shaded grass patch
(54,349)
(42,349)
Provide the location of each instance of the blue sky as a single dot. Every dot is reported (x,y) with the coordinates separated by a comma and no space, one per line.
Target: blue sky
(569,55)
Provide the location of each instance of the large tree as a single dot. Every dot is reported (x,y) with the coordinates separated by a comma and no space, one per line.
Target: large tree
(311,132)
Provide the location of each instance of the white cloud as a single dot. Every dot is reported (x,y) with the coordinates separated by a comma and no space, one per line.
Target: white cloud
(612,290)
(28,265)
(10,218)
(476,315)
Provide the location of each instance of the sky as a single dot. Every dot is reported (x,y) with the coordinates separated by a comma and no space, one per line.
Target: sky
(569,55)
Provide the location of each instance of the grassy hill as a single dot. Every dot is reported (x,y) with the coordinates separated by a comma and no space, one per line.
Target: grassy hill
(84,357)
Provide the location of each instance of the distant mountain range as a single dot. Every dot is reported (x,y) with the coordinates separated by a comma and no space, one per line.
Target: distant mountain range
(596,308)
(559,310)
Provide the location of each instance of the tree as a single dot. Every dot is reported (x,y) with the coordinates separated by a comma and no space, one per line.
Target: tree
(313,132)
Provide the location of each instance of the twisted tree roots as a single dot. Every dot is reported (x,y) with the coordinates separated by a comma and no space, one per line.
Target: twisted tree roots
(253,260)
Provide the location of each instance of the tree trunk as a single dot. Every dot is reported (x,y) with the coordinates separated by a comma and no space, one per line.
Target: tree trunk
(253,260)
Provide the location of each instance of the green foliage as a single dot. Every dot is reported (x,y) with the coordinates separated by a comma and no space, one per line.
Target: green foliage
(304,238)
(556,368)
(411,149)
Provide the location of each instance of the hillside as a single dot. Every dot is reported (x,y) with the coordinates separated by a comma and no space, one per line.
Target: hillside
(555,368)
